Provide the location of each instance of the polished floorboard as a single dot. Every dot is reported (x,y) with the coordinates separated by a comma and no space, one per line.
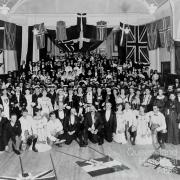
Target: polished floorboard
(67,169)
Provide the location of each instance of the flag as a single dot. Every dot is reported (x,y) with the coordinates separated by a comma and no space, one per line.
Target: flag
(122,35)
(40,36)
(153,35)
(61,31)
(177,56)
(18,45)
(66,46)
(165,32)
(10,54)
(101,30)
(1,34)
(110,45)
(1,62)
(101,166)
(136,45)
(25,43)
(29,56)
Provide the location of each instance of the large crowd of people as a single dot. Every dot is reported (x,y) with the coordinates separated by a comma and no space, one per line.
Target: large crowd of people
(86,98)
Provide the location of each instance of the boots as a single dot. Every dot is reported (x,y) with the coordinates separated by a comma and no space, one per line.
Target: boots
(34,144)
(162,141)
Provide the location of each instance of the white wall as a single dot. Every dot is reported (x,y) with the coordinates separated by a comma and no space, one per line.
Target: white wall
(70,19)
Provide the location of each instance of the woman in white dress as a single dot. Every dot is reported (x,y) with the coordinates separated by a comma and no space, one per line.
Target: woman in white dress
(121,122)
(45,103)
(5,101)
(30,104)
(39,127)
(143,131)
(121,98)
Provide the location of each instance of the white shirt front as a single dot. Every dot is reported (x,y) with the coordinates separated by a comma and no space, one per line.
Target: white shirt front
(61,114)
(158,119)
(54,127)
(108,113)
(26,125)
(89,97)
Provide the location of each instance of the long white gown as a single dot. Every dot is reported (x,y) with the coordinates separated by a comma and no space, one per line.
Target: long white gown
(143,131)
(120,131)
(29,104)
(46,105)
(40,129)
(5,101)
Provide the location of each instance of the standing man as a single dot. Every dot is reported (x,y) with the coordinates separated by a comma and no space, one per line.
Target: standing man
(109,122)
(158,127)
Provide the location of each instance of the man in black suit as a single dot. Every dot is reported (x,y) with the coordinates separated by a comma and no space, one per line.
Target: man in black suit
(109,122)
(72,127)
(18,102)
(12,134)
(35,97)
(93,127)
(61,113)
(3,122)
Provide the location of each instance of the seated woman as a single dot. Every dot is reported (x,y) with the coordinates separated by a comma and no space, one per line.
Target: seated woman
(143,131)
(119,137)
(55,130)
(40,125)
(40,129)
(12,134)
(45,103)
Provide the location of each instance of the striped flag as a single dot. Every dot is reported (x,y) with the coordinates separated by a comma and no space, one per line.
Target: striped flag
(165,32)
(10,54)
(101,30)
(153,35)
(1,34)
(40,36)
(101,166)
(61,31)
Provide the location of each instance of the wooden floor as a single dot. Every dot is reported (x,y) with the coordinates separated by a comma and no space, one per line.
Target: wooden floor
(67,169)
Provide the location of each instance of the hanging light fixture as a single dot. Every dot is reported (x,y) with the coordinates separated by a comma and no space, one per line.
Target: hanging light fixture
(4,9)
(152,8)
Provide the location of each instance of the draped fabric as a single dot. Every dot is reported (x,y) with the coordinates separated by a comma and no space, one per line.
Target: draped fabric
(61,31)
(136,45)
(40,36)
(1,34)
(35,49)
(109,45)
(153,35)
(177,57)
(52,49)
(19,44)
(1,62)
(10,54)
(10,36)
(165,32)
(101,30)
(29,56)
(25,43)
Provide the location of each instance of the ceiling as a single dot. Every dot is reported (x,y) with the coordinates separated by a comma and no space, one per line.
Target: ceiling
(74,6)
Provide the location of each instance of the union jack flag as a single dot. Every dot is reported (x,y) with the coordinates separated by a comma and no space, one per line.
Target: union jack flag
(137,46)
